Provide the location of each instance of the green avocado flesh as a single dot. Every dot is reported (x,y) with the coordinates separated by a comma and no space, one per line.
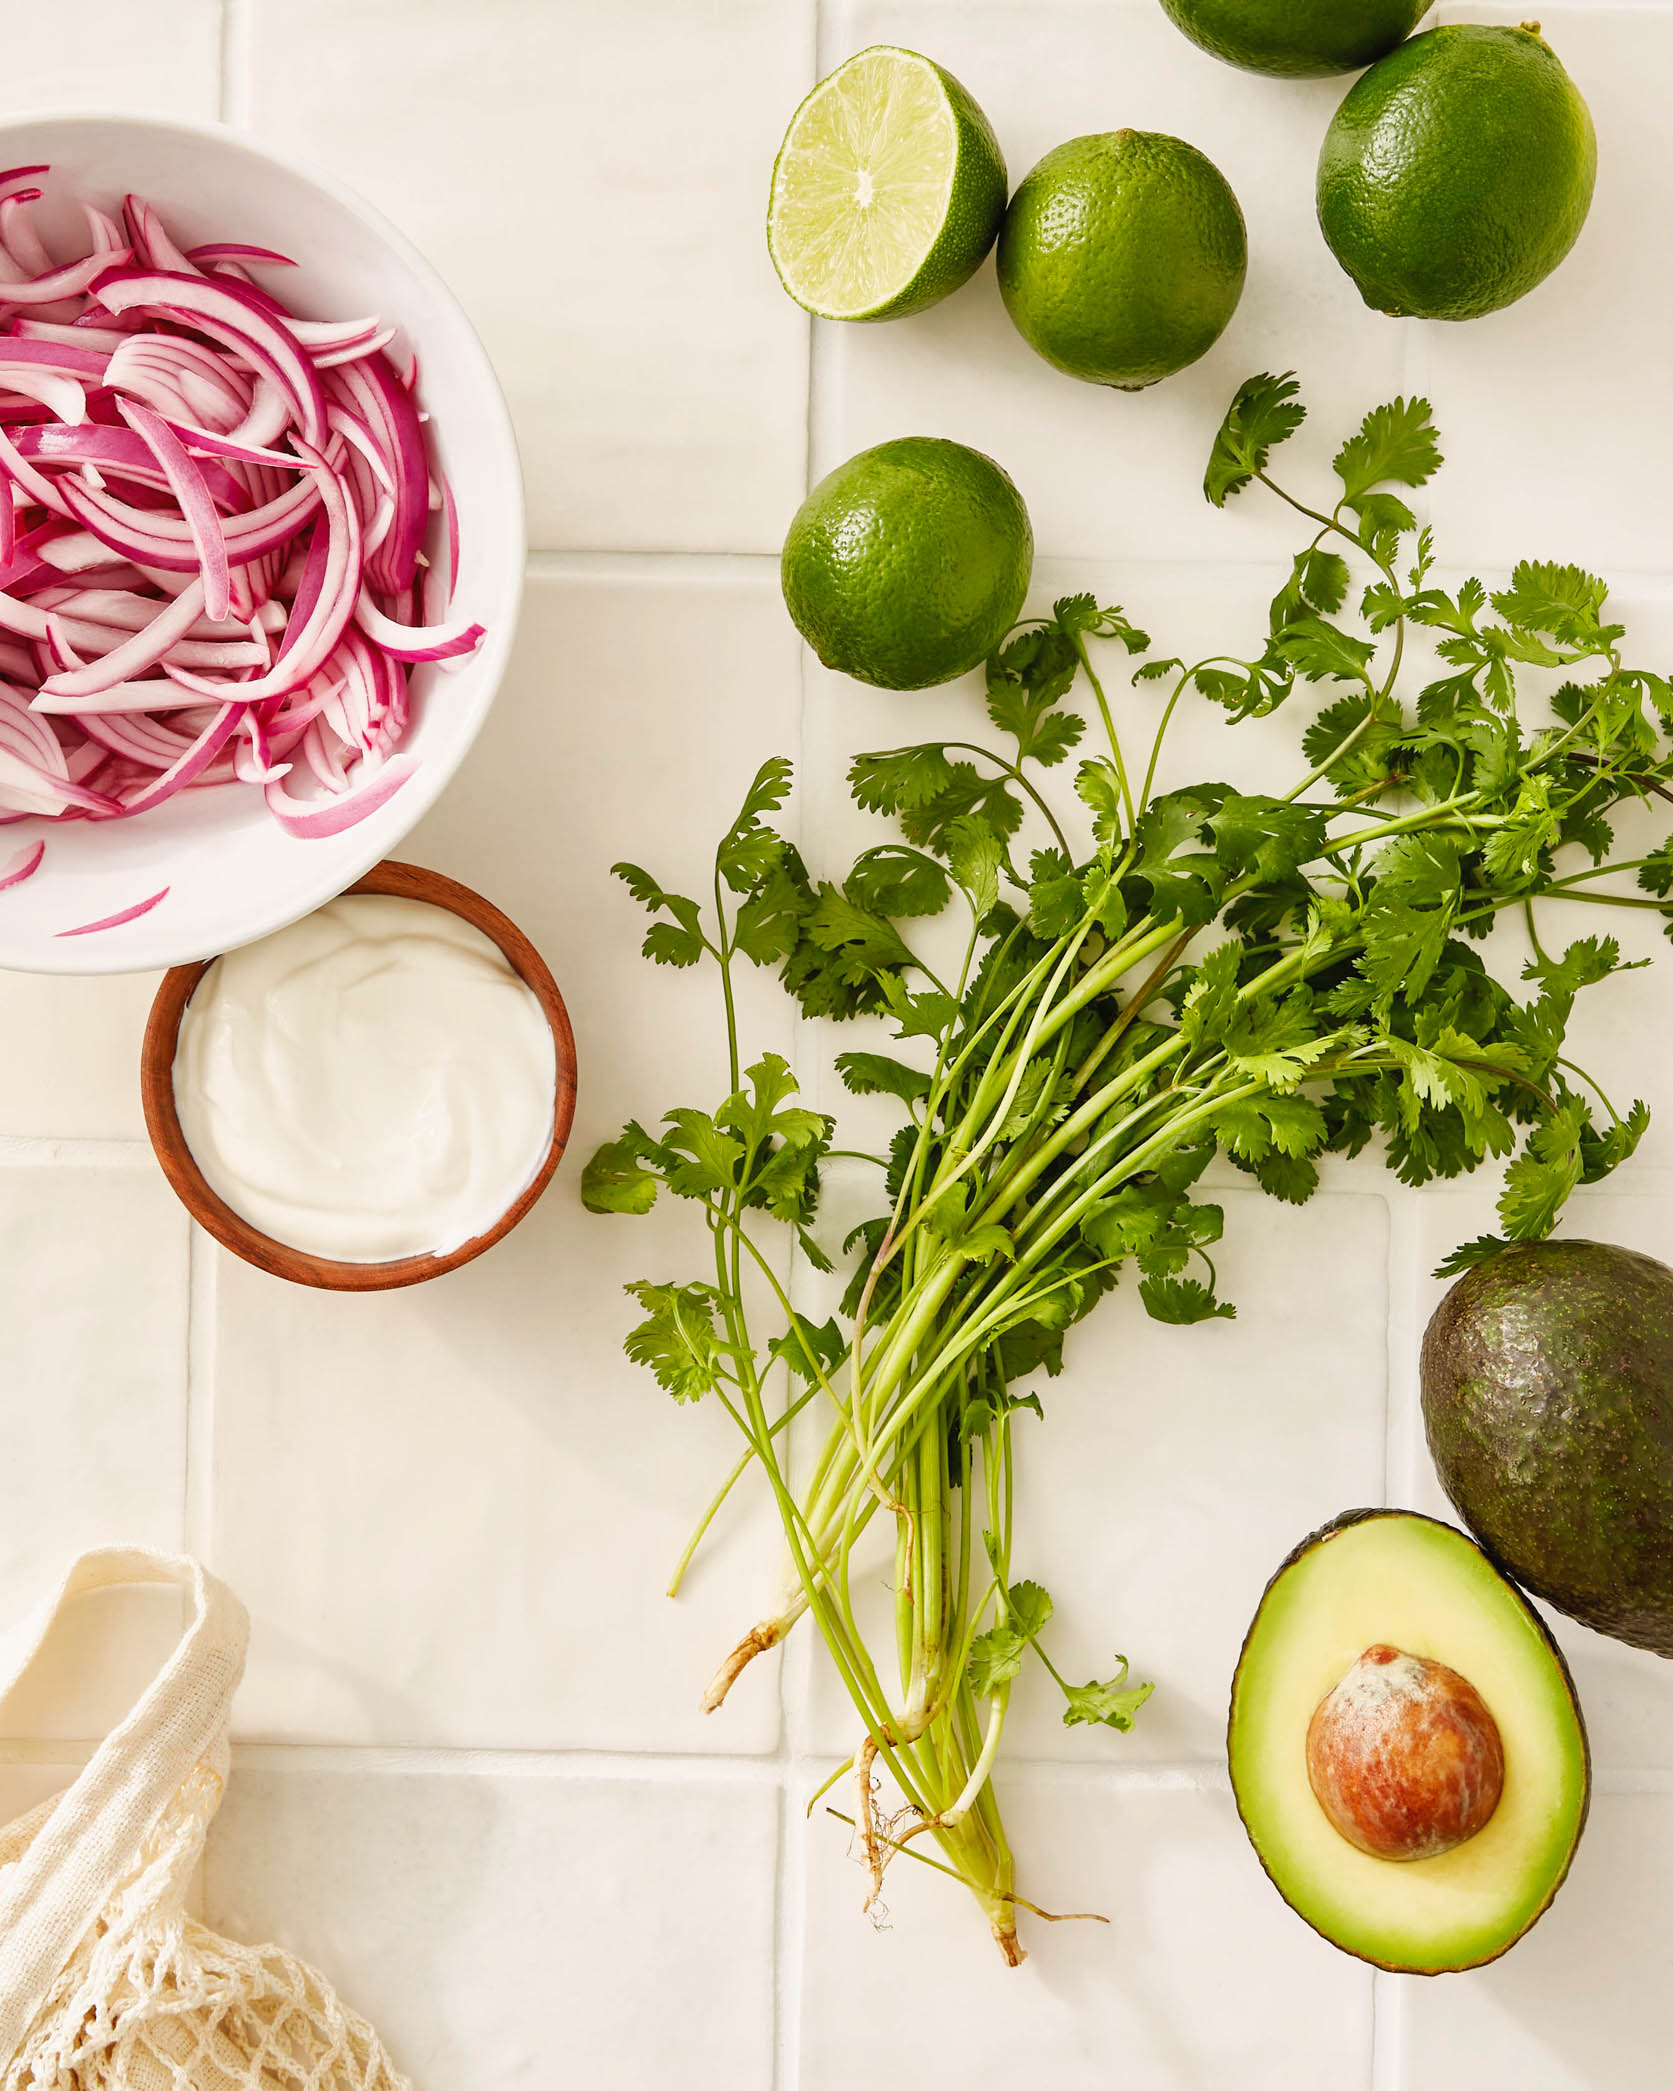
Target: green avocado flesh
(1548,1401)
(1393,1577)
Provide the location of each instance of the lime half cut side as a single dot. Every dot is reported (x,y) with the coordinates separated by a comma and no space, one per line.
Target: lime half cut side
(888,189)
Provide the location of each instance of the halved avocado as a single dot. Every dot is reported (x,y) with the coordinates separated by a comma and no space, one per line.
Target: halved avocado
(1395,1580)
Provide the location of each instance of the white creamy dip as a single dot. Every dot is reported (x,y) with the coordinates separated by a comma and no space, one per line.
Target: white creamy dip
(375,1081)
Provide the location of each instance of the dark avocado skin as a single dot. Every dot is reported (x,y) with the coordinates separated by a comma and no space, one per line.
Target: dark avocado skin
(1548,1403)
(1295,40)
(1322,1537)
(1457,173)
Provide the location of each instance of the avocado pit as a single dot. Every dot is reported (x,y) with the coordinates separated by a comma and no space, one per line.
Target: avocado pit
(1404,1757)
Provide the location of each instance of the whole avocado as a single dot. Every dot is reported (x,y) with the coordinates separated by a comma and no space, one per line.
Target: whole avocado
(1548,1404)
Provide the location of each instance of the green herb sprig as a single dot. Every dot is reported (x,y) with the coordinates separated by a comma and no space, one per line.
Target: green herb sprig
(1165,977)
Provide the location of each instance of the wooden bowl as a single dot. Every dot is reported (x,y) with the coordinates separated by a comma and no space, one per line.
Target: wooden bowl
(156,1079)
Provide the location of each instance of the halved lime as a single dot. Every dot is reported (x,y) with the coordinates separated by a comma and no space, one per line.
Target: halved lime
(887,191)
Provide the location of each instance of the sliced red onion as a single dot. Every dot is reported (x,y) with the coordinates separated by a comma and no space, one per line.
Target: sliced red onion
(308,641)
(237,250)
(27,787)
(312,819)
(121,451)
(23,865)
(193,763)
(61,358)
(373,390)
(251,576)
(143,650)
(150,239)
(166,541)
(425,642)
(268,418)
(26,328)
(140,907)
(75,276)
(213,445)
(230,315)
(197,506)
(28,737)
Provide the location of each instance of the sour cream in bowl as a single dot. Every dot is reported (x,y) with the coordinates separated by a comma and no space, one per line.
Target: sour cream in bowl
(370,1096)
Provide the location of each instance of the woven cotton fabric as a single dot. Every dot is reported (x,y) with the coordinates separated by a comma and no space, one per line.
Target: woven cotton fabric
(106,1982)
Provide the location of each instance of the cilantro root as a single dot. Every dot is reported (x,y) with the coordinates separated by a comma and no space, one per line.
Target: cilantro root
(1149,983)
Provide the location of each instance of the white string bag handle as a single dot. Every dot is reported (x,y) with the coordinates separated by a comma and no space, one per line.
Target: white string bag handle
(90,1840)
(104,1979)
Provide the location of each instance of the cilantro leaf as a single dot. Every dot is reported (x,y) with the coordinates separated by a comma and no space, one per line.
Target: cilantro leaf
(1056,895)
(1110,1704)
(1183,1301)
(615,1179)
(1027,679)
(1562,601)
(748,851)
(1538,1182)
(1265,413)
(1397,442)
(768,922)
(677,943)
(802,1346)
(995,1658)
(894,880)
(1468,1254)
(1185,878)
(876,1074)
(1321,652)
(678,1340)
(1030,1608)
(974,853)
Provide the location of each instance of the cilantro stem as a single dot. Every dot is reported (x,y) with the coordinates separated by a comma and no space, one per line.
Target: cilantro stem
(733,1478)
(1110,733)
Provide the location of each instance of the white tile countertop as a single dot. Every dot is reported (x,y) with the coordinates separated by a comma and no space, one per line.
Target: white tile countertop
(471,1778)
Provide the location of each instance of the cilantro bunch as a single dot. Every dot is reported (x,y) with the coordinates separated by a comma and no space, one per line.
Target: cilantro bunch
(1147,981)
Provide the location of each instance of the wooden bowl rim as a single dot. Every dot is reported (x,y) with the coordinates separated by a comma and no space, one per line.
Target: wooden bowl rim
(299,1266)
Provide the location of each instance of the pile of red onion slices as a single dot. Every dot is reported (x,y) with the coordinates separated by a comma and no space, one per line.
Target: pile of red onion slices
(212,526)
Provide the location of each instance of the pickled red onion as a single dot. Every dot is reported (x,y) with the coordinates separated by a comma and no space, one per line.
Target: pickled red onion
(213,516)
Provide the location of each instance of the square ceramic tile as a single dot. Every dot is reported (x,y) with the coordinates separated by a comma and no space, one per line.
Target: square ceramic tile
(1109,474)
(162,56)
(1582,483)
(502,1932)
(93,1290)
(453,1510)
(1578,2006)
(1626,1693)
(591,177)
(1201,1977)
(69,1055)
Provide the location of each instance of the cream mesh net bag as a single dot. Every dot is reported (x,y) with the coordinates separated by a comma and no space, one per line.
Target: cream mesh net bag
(106,1984)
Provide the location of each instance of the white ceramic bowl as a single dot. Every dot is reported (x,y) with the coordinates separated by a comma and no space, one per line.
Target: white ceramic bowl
(232,873)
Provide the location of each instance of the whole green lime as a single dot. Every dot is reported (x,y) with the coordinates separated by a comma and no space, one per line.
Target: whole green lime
(1122,257)
(907,565)
(1457,172)
(1297,39)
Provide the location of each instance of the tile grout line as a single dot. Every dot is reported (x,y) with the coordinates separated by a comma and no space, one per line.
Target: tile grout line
(661,562)
(197,1480)
(1383,2059)
(790,1866)
(236,32)
(666,1768)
